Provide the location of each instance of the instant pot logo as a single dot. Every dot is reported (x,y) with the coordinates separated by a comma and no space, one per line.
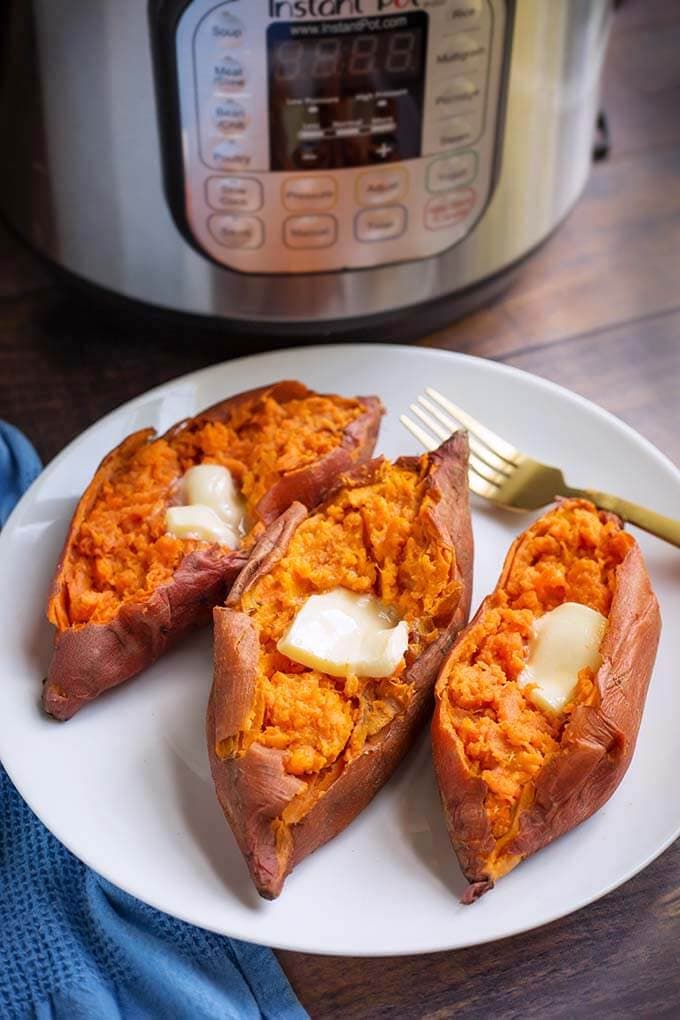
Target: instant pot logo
(291,9)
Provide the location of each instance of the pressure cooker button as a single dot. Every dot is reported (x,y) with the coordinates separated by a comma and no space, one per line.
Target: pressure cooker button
(457,95)
(447,210)
(310,231)
(223,27)
(237,231)
(309,194)
(230,116)
(449,172)
(464,51)
(465,13)
(236,194)
(229,75)
(229,154)
(381,187)
(384,224)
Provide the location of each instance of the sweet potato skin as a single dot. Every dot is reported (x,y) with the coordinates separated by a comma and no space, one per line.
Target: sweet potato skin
(241,783)
(596,749)
(95,657)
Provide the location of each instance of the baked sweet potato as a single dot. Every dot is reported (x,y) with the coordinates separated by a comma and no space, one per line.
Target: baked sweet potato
(514,775)
(296,754)
(124,589)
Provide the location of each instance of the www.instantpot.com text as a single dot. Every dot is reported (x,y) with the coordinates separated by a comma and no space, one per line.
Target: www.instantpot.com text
(338,27)
(336,8)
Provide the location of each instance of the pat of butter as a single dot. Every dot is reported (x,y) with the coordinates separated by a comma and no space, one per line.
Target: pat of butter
(200,523)
(214,510)
(564,641)
(342,633)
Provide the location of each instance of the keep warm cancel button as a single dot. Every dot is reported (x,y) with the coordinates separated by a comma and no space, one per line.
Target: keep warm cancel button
(447,210)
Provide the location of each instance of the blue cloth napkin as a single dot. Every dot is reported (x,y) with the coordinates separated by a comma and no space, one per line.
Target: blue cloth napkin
(75,947)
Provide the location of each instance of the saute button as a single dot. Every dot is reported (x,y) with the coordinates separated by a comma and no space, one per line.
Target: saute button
(237,194)
(309,194)
(465,13)
(448,210)
(223,27)
(229,75)
(237,231)
(310,231)
(464,51)
(385,224)
(381,187)
(229,154)
(450,172)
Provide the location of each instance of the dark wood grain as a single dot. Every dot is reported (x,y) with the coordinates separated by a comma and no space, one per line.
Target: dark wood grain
(598,310)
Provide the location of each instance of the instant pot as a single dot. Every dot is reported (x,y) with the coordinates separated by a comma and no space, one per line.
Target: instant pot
(296,166)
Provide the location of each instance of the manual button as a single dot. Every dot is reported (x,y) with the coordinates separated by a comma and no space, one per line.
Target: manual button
(309,194)
(237,231)
(310,231)
(382,187)
(450,172)
(384,224)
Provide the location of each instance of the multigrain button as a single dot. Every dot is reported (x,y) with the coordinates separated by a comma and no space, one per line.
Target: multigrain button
(230,115)
(371,225)
(233,231)
(229,154)
(236,194)
(381,187)
(309,194)
(464,51)
(224,27)
(310,231)
(457,95)
(449,172)
(447,210)
(229,75)
(465,13)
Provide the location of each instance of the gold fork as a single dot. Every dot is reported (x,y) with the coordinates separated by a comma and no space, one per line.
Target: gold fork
(505,475)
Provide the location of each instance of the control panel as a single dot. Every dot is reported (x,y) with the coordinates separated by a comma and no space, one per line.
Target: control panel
(323,135)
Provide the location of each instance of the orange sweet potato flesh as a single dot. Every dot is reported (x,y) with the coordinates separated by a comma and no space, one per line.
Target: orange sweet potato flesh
(124,590)
(296,754)
(512,776)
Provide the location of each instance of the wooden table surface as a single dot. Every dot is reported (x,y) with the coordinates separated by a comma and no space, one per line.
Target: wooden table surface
(598,310)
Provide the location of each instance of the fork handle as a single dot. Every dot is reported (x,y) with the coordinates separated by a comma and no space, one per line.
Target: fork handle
(656,524)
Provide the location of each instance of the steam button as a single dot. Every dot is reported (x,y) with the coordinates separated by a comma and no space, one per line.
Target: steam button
(232,231)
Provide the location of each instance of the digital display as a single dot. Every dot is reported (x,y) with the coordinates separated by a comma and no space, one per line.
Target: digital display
(341,95)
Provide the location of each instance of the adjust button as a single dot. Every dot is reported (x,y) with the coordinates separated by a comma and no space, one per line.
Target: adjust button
(310,231)
(381,187)
(450,172)
(236,194)
(384,224)
(448,210)
(229,154)
(464,51)
(237,231)
(309,194)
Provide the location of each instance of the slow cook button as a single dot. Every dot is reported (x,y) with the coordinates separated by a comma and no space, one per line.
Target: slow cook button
(464,51)
(309,194)
(223,27)
(385,224)
(450,172)
(464,13)
(229,75)
(464,92)
(229,154)
(310,231)
(230,116)
(448,210)
(237,231)
(382,187)
(236,194)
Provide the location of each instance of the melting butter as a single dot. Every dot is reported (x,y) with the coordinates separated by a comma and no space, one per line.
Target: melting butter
(564,641)
(342,633)
(213,510)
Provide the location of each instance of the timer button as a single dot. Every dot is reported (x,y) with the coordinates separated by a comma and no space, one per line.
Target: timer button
(224,27)
(381,187)
(371,225)
(464,51)
(310,231)
(465,13)
(229,75)
(236,194)
(229,154)
(237,231)
(229,115)
(450,172)
(309,194)
(448,210)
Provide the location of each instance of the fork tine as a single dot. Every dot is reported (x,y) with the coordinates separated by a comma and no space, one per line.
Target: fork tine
(433,425)
(480,486)
(496,443)
(420,434)
(482,451)
(477,465)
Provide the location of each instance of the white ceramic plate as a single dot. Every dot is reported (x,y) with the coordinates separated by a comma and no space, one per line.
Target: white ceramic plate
(126,785)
